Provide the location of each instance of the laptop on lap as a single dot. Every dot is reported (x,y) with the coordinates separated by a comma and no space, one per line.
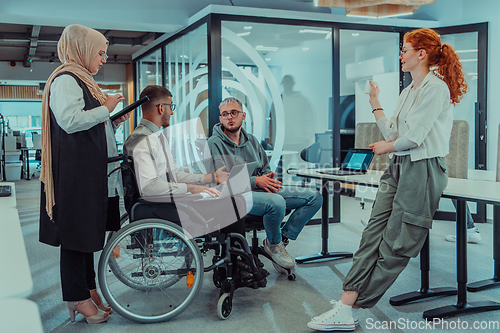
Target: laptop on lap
(356,162)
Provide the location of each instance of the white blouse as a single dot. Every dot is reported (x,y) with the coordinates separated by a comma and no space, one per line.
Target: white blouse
(421,125)
(66,102)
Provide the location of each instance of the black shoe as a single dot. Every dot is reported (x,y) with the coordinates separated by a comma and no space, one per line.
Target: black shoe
(285,240)
(242,274)
(246,271)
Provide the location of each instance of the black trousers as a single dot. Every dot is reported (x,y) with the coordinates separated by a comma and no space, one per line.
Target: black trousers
(77,275)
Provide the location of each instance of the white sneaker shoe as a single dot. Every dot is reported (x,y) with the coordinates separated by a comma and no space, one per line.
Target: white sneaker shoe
(339,318)
(473,236)
(279,254)
(279,269)
(354,311)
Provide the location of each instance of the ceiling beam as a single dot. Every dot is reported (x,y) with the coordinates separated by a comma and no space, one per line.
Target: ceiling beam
(148,38)
(23,37)
(126,41)
(35,32)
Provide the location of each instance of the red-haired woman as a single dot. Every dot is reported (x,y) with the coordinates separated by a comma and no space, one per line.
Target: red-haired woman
(417,135)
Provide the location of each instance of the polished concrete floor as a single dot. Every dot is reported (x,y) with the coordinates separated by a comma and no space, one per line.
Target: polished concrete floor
(282,306)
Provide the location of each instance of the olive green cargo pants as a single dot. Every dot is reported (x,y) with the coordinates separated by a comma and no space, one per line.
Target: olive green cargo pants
(401,217)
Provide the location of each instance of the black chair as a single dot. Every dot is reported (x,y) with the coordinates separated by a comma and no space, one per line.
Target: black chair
(312,154)
(156,255)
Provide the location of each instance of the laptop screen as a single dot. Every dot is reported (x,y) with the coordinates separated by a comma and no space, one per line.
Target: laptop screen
(357,159)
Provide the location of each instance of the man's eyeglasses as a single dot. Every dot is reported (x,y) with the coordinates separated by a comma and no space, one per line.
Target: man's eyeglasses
(233,113)
(103,55)
(172,105)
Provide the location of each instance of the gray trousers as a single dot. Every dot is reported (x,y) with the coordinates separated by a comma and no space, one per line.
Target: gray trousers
(401,217)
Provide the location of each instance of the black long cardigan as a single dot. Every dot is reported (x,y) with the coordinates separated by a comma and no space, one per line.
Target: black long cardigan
(79,167)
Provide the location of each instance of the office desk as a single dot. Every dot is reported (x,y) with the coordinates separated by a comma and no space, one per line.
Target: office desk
(15,275)
(371,178)
(10,201)
(461,189)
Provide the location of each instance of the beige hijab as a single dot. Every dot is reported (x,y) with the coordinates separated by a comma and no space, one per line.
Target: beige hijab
(77,48)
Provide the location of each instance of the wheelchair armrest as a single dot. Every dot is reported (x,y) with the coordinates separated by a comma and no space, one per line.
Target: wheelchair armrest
(168,198)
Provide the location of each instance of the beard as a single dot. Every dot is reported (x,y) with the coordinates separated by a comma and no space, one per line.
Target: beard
(231,130)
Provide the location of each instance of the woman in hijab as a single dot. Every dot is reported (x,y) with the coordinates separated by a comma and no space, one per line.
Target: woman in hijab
(77,138)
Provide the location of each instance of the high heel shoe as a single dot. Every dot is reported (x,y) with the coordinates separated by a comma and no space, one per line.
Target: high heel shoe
(96,298)
(100,317)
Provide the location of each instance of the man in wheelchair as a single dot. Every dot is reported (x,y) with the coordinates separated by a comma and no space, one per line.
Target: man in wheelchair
(159,179)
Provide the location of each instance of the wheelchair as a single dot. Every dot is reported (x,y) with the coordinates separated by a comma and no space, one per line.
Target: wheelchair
(152,269)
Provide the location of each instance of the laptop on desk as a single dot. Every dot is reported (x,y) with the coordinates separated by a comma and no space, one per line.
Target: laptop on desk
(356,162)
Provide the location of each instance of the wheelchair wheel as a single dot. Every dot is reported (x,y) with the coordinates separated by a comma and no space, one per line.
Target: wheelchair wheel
(224,306)
(150,271)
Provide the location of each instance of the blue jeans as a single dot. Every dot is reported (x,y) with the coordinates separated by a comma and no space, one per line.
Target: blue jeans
(470,221)
(272,206)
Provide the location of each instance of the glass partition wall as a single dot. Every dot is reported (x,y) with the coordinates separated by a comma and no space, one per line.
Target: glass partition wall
(148,72)
(301,82)
(283,73)
(283,76)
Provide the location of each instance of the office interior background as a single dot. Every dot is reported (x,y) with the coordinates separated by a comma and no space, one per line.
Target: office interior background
(299,69)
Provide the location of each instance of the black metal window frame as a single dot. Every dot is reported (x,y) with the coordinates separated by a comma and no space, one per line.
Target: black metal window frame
(481,107)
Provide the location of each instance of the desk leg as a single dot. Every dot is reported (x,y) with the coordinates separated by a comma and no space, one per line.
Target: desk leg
(28,175)
(425,291)
(325,255)
(462,306)
(26,163)
(495,281)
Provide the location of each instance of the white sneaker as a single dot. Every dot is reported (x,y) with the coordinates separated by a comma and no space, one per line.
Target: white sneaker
(339,318)
(279,254)
(473,236)
(354,311)
(279,269)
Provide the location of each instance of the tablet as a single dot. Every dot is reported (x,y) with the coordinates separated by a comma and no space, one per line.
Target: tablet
(127,109)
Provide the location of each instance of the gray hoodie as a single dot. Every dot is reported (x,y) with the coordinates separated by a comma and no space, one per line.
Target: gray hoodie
(225,152)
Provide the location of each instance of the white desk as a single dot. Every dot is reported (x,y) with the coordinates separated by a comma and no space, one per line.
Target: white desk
(288,159)
(15,275)
(461,189)
(20,316)
(10,201)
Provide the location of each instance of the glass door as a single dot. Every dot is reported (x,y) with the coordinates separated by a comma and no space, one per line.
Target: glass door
(471,44)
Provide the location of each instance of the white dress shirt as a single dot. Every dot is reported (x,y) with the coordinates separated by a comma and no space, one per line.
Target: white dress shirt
(156,172)
(66,102)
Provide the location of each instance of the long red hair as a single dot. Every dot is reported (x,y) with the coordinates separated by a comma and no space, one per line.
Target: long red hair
(443,57)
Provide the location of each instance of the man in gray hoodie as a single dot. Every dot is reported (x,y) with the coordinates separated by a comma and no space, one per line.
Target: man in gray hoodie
(231,145)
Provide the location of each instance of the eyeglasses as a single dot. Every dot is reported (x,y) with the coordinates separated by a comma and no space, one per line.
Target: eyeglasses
(233,113)
(172,105)
(103,55)
(403,51)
